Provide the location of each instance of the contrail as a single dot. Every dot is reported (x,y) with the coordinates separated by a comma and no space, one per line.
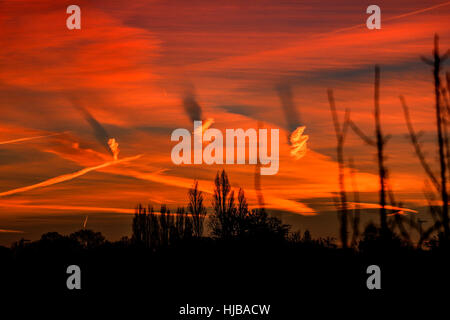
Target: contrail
(389,19)
(29,138)
(66,207)
(324,34)
(418,11)
(10,231)
(271,202)
(364,205)
(85,222)
(70,208)
(66,177)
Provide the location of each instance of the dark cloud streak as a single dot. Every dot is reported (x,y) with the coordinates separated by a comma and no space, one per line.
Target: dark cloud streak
(100,132)
(287,103)
(191,106)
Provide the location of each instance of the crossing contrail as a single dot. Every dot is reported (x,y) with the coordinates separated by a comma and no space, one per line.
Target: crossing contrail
(30,138)
(66,177)
(6,204)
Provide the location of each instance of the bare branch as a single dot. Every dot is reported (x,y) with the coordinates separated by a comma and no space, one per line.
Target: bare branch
(340,135)
(426,234)
(334,115)
(361,134)
(441,146)
(356,200)
(431,197)
(387,138)
(416,145)
(445,56)
(445,124)
(346,124)
(427,61)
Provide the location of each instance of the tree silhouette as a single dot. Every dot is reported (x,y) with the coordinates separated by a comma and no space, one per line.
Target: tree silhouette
(154,230)
(222,222)
(183,225)
(196,209)
(437,64)
(141,227)
(439,215)
(257,225)
(236,221)
(242,214)
(340,136)
(379,143)
(165,223)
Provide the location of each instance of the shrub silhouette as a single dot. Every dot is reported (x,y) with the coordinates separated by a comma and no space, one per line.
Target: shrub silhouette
(87,238)
(236,221)
(223,220)
(257,225)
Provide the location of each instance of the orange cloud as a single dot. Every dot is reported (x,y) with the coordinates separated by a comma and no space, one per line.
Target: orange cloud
(130,67)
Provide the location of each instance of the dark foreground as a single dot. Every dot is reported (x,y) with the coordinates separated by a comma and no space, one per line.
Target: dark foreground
(288,276)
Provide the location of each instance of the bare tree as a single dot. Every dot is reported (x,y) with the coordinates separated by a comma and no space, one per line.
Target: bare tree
(257,175)
(379,142)
(442,120)
(223,221)
(436,63)
(154,230)
(355,217)
(242,213)
(340,136)
(141,227)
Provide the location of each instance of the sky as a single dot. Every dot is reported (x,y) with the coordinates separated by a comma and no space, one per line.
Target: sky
(127,71)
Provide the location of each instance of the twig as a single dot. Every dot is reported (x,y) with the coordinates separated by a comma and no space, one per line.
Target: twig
(415,142)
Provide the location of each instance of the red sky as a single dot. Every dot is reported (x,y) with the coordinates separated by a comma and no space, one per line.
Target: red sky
(130,65)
